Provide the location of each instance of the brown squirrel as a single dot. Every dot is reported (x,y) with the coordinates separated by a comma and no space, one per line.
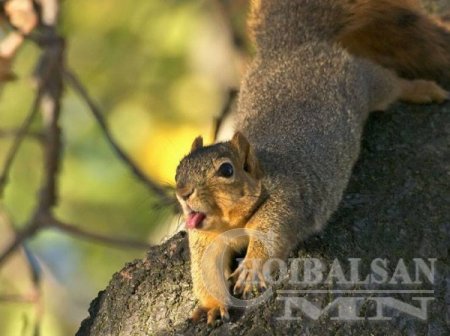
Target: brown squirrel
(301,112)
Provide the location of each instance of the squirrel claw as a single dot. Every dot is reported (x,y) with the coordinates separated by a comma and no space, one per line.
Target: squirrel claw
(214,313)
(225,316)
(197,314)
(249,279)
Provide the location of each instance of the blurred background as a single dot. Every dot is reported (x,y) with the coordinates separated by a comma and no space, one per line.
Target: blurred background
(160,71)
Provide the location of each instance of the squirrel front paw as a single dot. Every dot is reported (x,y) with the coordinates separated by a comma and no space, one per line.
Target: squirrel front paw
(248,278)
(212,314)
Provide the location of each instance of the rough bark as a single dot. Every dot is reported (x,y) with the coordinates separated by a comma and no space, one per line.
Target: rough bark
(397,205)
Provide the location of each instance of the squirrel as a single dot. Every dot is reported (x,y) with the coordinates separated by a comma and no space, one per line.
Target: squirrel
(301,112)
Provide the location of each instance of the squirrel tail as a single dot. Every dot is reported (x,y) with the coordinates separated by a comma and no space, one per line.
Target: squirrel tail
(397,34)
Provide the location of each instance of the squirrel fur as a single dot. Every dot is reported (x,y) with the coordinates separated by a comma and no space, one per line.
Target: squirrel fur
(302,108)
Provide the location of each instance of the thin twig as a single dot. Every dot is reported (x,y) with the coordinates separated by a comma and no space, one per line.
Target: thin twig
(45,220)
(76,84)
(30,229)
(53,60)
(113,241)
(21,133)
(9,133)
(34,267)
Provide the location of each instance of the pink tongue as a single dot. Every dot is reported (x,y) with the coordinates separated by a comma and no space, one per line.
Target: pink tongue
(194,219)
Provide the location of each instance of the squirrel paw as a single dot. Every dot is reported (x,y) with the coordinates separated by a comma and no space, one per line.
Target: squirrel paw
(249,279)
(423,92)
(212,315)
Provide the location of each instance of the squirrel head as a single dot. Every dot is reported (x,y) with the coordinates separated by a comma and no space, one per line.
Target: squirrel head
(219,186)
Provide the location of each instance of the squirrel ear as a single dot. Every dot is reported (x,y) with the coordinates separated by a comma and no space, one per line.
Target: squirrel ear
(198,143)
(247,155)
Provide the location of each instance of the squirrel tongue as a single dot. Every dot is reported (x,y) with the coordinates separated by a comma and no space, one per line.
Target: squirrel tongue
(194,219)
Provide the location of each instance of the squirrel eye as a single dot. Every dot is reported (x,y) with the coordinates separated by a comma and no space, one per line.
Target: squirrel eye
(225,170)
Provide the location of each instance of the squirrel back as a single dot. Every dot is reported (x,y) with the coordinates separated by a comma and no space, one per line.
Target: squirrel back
(303,111)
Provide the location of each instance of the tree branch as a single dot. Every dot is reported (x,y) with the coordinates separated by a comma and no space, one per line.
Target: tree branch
(30,229)
(114,241)
(77,86)
(44,220)
(21,133)
(9,133)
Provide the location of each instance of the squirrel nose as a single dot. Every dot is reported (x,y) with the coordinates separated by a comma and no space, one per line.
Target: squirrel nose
(186,193)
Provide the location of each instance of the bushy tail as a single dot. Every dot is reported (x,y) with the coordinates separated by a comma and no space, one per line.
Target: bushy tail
(398,35)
